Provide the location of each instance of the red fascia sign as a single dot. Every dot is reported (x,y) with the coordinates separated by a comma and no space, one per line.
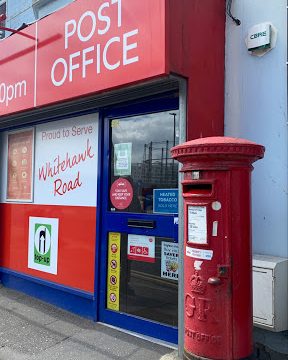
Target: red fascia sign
(88,46)
(17,75)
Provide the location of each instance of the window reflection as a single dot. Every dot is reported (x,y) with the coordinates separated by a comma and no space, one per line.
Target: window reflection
(144,292)
(141,150)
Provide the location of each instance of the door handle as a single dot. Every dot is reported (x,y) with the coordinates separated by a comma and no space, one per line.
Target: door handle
(214,281)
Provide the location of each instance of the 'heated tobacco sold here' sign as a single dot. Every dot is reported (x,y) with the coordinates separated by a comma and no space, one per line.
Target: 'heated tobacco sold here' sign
(86,47)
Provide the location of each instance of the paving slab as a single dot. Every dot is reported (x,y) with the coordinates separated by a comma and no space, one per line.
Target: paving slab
(31,329)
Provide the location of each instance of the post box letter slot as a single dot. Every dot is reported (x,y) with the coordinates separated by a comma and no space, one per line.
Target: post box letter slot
(197,189)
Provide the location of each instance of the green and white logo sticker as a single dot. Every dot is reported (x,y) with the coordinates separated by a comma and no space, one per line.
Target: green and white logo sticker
(43,244)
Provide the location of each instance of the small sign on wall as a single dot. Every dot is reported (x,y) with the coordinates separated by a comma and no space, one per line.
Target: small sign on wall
(43,244)
(261,38)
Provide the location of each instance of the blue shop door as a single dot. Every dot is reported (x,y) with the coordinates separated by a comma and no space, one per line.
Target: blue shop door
(139,235)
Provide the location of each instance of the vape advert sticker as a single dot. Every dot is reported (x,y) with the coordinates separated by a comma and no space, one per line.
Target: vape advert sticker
(43,244)
(169,260)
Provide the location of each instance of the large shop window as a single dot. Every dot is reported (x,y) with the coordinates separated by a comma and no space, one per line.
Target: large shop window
(48,201)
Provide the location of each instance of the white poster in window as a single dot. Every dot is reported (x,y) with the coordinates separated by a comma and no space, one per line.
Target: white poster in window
(197,224)
(141,248)
(43,244)
(66,162)
(122,159)
(169,260)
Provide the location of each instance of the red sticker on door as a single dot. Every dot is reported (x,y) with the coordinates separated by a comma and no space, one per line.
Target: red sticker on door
(141,248)
(121,194)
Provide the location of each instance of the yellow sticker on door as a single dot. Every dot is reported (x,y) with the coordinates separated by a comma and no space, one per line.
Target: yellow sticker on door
(113,273)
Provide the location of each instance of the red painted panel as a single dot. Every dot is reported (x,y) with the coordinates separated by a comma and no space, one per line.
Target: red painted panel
(186,37)
(86,47)
(76,244)
(197,31)
(17,64)
(82,48)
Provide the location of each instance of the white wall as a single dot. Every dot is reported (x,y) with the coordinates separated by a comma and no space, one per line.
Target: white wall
(256,109)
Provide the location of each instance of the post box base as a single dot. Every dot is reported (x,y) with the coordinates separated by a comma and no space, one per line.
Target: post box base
(188,356)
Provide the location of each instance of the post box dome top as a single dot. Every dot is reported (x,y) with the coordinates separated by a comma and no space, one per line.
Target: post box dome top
(218,147)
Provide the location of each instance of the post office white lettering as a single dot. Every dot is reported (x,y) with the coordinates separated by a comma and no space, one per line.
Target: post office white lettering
(86,61)
(109,54)
(104,18)
(93,27)
(105,61)
(73,66)
(71,32)
(119,11)
(64,76)
(127,47)
(93,22)
(78,60)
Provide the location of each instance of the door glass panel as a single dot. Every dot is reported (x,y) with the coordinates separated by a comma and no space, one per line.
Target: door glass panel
(142,276)
(140,154)
(148,286)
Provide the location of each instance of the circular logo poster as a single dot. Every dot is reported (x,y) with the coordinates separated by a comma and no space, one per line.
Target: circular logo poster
(121,193)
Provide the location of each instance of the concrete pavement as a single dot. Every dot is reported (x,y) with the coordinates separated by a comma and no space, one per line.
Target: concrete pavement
(31,329)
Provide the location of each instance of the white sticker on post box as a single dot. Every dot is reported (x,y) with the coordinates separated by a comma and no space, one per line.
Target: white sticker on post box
(199,253)
(197,224)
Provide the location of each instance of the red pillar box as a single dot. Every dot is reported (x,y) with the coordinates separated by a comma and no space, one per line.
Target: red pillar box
(217,236)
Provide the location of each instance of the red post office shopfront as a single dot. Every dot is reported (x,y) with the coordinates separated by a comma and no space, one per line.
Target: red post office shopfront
(92,98)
